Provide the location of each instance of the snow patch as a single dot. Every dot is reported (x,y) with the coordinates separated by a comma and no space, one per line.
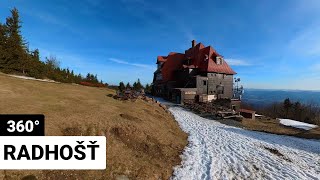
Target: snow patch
(258,115)
(31,78)
(297,124)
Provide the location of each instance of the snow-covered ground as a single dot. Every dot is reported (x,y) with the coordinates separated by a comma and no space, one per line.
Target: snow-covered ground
(297,124)
(217,151)
(258,115)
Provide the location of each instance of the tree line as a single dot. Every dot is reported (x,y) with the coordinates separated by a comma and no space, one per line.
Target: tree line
(17,58)
(309,113)
(136,86)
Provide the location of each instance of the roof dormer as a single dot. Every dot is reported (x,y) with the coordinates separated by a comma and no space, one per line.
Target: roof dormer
(219,60)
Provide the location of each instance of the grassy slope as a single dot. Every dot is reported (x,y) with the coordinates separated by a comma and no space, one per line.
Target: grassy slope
(143,141)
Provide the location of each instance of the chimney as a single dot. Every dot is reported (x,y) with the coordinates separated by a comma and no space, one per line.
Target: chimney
(193,43)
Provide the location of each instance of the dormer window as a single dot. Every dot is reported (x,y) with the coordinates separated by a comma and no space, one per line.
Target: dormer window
(206,58)
(219,60)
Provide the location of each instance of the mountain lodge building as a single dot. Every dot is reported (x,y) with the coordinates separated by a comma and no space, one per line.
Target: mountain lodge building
(199,74)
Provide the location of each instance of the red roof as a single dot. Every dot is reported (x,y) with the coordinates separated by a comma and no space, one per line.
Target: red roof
(201,57)
(221,68)
(174,62)
(161,59)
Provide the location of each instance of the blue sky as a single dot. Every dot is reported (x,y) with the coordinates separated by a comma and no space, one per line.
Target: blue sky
(271,44)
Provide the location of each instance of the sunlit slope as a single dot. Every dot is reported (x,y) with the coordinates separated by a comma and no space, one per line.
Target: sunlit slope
(143,140)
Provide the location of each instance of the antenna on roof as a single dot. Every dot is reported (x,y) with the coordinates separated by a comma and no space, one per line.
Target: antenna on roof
(237,92)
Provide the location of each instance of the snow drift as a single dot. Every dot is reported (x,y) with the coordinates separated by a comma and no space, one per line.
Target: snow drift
(297,124)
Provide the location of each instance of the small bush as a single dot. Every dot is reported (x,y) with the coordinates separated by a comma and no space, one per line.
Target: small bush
(92,84)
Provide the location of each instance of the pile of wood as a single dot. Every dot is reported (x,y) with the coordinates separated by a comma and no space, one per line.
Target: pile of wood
(200,108)
(134,96)
(206,108)
(129,95)
(221,110)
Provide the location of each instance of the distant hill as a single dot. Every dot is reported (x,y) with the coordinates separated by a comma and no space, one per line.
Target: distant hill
(262,97)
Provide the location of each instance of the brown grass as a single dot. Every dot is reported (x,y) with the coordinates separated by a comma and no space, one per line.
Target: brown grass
(273,126)
(143,140)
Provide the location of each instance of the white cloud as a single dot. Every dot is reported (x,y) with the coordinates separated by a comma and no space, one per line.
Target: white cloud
(119,61)
(237,62)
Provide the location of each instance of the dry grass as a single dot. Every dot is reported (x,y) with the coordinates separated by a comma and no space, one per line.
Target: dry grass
(273,126)
(143,140)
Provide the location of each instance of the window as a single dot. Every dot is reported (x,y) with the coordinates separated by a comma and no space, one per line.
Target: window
(206,57)
(220,89)
(204,83)
(219,60)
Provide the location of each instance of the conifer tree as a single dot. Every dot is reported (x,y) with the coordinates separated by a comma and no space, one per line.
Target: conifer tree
(287,105)
(68,74)
(78,79)
(128,86)
(15,56)
(88,77)
(148,88)
(121,86)
(16,47)
(36,67)
(36,55)
(134,86)
(95,80)
(3,54)
(137,85)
